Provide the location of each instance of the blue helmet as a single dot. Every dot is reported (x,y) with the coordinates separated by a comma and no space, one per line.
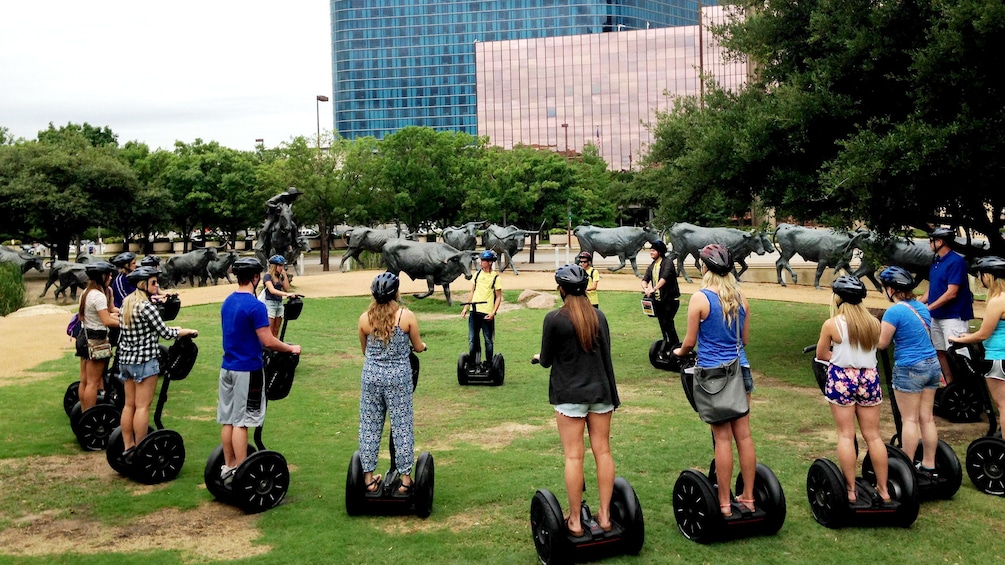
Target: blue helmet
(897,278)
(384,287)
(488,255)
(277,260)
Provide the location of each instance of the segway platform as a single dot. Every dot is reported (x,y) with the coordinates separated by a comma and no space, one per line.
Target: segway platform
(556,545)
(387,498)
(696,507)
(476,372)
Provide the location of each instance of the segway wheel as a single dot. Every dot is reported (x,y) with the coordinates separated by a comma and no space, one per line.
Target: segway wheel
(211,474)
(548,529)
(113,452)
(95,425)
(961,403)
(261,482)
(462,369)
(825,490)
(769,496)
(355,490)
(903,488)
(71,396)
(696,507)
(626,511)
(424,482)
(947,465)
(655,355)
(498,370)
(158,457)
(986,465)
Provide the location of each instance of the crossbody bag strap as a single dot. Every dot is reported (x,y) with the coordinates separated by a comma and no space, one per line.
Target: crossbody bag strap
(923,323)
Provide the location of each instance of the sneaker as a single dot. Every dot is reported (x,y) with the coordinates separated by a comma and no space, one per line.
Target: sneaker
(926,473)
(127,455)
(227,475)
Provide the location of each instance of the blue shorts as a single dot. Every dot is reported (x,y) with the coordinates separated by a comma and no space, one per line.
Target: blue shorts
(140,371)
(275,308)
(915,378)
(581,410)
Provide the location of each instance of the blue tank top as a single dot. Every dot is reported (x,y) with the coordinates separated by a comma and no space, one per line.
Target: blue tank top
(716,340)
(994,346)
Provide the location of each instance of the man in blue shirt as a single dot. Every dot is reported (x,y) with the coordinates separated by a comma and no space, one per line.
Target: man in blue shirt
(948,298)
(242,378)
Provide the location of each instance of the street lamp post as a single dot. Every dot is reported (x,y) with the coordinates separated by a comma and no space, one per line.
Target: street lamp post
(317,106)
(566,128)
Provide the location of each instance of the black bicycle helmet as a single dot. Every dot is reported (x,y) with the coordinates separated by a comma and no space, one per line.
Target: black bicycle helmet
(992,265)
(660,248)
(123,259)
(584,256)
(97,270)
(945,234)
(573,279)
(488,255)
(384,287)
(277,260)
(141,274)
(247,265)
(151,261)
(717,258)
(897,278)
(849,288)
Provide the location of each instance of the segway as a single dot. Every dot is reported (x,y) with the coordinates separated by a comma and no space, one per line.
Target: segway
(962,400)
(985,455)
(556,545)
(262,480)
(696,498)
(949,472)
(160,455)
(387,499)
(828,497)
(474,371)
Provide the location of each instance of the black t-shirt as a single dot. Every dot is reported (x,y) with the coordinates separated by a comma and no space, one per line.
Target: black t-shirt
(577,376)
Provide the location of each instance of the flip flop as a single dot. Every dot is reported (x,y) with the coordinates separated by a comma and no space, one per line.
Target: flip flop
(572,532)
(374,483)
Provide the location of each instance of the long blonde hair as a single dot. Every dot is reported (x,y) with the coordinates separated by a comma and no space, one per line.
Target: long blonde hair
(584,320)
(996,287)
(134,299)
(728,291)
(863,327)
(382,319)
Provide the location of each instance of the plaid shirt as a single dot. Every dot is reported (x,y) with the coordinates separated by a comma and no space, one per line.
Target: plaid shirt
(138,342)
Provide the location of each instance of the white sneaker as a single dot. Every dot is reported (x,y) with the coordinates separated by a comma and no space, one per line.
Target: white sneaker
(224,471)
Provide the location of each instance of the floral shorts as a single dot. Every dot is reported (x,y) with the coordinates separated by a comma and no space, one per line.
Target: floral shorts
(851,386)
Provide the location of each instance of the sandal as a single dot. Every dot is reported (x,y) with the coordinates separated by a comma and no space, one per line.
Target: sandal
(574,533)
(374,483)
(852,496)
(748,502)
(406,489)
(726,510)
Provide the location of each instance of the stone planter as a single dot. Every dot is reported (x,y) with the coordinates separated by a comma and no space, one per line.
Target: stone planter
(558,239)
(114,248)
(136,247)
(163,246)
(178,246)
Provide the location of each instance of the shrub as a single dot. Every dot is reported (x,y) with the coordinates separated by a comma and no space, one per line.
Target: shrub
(113,239)
(12,290)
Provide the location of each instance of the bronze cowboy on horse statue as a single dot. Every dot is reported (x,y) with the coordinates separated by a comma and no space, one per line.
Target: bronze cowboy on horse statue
(280,234)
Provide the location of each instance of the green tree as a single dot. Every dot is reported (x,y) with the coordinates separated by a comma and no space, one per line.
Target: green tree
(96,136)
(56,189)
(859,110)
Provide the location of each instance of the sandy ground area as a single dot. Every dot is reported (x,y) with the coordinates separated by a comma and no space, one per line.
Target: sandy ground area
(36,334)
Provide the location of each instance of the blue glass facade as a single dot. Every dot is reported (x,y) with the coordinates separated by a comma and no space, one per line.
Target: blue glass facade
(398,63)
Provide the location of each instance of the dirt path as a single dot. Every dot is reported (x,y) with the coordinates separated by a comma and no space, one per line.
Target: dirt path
(36,334)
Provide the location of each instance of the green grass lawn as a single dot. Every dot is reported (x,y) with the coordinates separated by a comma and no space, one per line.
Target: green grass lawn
(493,447)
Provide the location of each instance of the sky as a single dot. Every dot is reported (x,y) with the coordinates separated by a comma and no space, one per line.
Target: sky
(230,71)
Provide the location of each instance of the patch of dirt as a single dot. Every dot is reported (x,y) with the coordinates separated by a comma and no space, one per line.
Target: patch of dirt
(213,531)
(491,439)
(486,516)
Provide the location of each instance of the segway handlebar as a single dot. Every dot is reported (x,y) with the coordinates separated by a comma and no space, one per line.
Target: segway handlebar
(473,303)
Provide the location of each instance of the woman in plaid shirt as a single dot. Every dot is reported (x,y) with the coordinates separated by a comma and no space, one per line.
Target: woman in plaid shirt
(138,350)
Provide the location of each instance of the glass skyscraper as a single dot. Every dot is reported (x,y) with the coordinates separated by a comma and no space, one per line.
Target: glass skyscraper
(412,62)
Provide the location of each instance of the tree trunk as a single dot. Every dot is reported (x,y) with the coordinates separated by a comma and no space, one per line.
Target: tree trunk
(323,234)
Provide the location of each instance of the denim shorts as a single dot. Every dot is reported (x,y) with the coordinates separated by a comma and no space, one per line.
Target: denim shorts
(275,308)
(581,410)
(915,378)
(138,372)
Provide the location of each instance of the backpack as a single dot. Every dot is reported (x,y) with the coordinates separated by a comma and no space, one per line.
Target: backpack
(73,328)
